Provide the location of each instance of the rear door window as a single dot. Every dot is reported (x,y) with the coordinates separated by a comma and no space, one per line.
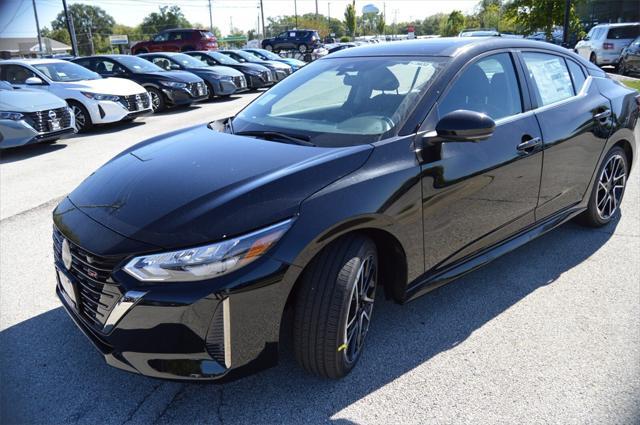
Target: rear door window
(550,77)
(623,33)
(577,75)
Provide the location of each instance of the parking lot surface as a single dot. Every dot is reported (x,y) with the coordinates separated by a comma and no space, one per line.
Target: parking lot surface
(547,334)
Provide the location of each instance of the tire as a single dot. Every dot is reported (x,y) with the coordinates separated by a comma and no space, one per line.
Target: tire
(622,69)
(269,47)
(593,59)
(83,119)
(212,93)
(608,190)
(303,48)
(325,312)
(157,100)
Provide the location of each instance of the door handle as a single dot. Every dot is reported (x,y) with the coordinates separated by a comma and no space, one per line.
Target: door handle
(529,144)
(602,115)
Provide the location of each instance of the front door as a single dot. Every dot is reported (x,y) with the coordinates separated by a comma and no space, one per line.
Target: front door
(477,194)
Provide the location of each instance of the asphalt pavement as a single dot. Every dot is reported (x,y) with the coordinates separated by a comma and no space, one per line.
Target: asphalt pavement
(547,334)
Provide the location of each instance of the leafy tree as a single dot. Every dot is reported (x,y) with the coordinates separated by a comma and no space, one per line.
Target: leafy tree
(167,17)
(431,24)
(454,24)
(61,35)
(534,15)
(350,18)
(380,25)
(92,24)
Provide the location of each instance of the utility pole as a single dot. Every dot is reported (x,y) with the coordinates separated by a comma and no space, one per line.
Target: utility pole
(210,18)
(71,29)
(295,10)
(91,38)
(264,29)
(316,9)
(329,11)
(565,30)
(35,13)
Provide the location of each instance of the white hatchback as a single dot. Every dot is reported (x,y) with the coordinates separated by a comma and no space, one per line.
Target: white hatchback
(93,99)
(604,43)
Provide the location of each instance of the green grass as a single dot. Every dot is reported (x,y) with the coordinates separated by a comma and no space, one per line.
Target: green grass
(634,84)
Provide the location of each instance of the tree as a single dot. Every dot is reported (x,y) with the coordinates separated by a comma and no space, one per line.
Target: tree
(92,24)
(61,35)
(167,17)
(534,15)
(454,24)
(431,24)
(381,25)
(350,18)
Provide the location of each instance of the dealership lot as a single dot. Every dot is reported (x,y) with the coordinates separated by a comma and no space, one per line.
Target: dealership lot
(548,334)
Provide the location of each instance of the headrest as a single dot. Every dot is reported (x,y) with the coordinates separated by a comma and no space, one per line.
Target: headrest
(382,79)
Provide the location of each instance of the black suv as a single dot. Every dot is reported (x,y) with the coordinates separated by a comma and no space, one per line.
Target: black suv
(300,40)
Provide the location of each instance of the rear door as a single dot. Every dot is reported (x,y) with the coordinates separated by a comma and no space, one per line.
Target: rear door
(575,120)
(478,194)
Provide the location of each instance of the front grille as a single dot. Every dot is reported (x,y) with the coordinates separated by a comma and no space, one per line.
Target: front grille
(267,76)
(240,82)
(97,292)
(281,75)
(131,102)
(40,120)
(274,76)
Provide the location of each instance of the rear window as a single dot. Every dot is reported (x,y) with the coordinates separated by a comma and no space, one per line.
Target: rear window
(621,33)
(206,34)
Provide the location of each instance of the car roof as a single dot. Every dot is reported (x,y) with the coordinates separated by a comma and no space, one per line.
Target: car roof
(446,46)
(32,61)
(617,24)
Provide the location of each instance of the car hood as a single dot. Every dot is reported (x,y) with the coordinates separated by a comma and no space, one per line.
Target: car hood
(180,76)
(277,64)
(292,62)
(116,86)
(197,185)
(23,100)
(247,67)
(216,71)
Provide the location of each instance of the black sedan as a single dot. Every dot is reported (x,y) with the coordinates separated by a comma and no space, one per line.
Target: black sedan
(390,168)
(279,70)
(630,59)
(257,76)
(221,81)
(167,88)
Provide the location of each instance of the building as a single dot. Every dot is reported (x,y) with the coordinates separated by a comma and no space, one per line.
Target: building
(28,47)
(592,12)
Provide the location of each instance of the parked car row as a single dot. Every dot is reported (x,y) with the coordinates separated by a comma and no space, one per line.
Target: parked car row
(104,89)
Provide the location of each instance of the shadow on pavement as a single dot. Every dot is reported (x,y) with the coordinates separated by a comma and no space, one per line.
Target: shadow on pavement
(52,374)
(25,152)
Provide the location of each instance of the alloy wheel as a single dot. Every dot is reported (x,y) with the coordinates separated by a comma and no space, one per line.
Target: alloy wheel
(360,308)
(81,119)
(155,101)
(611,187)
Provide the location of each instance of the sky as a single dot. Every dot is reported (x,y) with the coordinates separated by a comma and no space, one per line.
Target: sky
(17,17)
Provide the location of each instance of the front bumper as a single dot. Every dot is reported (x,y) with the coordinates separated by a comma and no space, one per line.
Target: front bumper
(185,96)
(224,328)
(20,133)
(258,82)
(106,111)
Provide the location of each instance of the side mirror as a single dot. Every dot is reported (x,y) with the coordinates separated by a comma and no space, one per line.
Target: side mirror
(175,66)
(586,38)
(462,126)
(34,81)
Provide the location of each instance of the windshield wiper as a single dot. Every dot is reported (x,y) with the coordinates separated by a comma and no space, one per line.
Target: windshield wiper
(297,139)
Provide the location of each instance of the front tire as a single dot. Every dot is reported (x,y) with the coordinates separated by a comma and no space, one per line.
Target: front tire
(302,48)
(82,117)
(333,307)
(269,47)
(608,190)
(157,101)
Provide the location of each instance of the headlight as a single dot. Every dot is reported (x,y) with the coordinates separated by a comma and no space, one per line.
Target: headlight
(226,78)
(99,96)
(14,116)
(254,72)
(206,262)
(174,84)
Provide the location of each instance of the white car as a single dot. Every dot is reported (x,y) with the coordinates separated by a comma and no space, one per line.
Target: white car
(604,43)
(93,99)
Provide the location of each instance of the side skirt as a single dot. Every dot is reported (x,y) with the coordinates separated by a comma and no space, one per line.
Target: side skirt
(435,278)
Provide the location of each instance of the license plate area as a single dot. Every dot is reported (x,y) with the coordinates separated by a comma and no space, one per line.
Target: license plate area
(54,125)
(68,287)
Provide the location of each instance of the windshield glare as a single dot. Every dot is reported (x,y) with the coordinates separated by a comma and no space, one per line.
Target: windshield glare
(65,72)
(138,65)
(223,59)
(265,54)
(342,101)
(188,61)
(246,56)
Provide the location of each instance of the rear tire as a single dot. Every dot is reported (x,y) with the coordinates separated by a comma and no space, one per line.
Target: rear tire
(333,307)
(608,190)
(593,59)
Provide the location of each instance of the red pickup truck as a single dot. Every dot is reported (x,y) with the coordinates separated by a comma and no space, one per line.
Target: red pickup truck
(177,40)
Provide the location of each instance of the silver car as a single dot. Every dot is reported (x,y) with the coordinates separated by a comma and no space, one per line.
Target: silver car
(604,43)
(32,116)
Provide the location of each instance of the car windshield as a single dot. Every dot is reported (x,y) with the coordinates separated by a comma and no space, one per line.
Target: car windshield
(138,65)
(188,61)
(246,56)
(342,101)
(65,72)
(622,33)
(265,54)
(223,59)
